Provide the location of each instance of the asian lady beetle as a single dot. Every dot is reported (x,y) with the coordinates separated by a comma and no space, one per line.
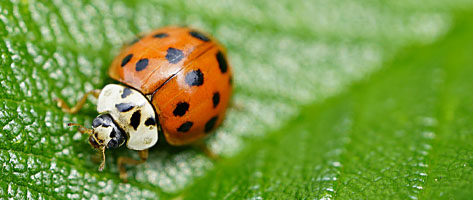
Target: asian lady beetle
(175,80)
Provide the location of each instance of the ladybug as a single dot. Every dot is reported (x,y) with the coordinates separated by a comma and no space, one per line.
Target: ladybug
(175,79)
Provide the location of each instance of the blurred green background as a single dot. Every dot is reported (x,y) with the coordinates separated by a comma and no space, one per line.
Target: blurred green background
(339,100)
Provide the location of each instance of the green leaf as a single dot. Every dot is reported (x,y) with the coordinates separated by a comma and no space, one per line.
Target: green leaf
(301,129)
(405,133)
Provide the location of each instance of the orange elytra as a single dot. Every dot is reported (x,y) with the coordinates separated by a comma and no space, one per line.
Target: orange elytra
(185,75)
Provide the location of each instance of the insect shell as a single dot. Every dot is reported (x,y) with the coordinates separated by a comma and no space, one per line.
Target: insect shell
(173,79)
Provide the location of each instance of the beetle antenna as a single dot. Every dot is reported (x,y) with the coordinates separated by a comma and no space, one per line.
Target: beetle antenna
(102,165)
(82,129)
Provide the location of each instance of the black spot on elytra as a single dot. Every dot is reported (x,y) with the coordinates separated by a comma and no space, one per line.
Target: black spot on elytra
(222,62)
(210,124)
(150,121)
(181,109)
(194,78)
(185,126)
(126,92)
(174,55)
(216,99)
(141,64)
(123,107)
(160,35)
(199,36)
(126,59)
(135,119)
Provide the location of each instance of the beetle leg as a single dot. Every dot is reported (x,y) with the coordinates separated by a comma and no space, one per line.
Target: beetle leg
(130,161)
(65,108)
(206,150)
(236,105)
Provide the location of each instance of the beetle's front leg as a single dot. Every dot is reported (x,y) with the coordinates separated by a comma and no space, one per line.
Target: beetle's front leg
(200,144)
(65,108)
(130,161)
